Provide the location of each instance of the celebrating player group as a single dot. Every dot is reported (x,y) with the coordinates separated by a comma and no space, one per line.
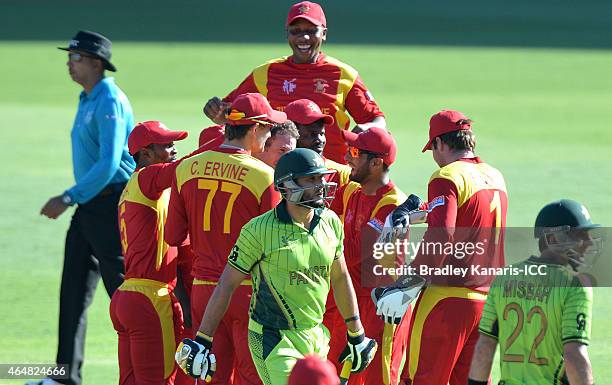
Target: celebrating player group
(256,249)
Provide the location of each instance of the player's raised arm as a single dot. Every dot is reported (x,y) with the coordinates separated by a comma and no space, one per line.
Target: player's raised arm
(215,109)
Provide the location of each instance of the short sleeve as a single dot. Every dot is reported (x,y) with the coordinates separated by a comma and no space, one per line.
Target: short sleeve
(576,321)
(247,251)
(361,104)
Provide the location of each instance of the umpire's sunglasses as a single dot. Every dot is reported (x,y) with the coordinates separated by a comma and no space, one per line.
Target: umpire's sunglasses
(76,57)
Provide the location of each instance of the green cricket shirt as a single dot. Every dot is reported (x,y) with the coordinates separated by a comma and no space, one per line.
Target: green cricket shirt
(290,266)
(532,316)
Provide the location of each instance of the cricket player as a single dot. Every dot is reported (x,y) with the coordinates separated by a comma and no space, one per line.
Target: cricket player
(542,318)
(144,310)
(311,122)
(363,205)
(294,255)
(467,206)
(213,195)
(308,73)
(283,138)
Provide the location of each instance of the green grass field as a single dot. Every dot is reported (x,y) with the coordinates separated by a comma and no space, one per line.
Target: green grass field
(542,116)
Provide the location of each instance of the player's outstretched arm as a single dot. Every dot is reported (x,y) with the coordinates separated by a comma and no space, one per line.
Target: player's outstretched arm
(220,299)
(360,349)
(344,293)
(482,360)
(577,364)
(194,355)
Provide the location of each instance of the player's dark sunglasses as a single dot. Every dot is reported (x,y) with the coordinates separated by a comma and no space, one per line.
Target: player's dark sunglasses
(356,152)
(77,57)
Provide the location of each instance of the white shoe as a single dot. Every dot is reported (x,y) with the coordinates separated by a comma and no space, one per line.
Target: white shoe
(44,381)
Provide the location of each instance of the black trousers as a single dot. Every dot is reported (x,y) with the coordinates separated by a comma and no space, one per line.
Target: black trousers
(93,249)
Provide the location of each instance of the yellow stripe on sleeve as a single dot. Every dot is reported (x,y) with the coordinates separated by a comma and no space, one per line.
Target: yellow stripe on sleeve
(348,76)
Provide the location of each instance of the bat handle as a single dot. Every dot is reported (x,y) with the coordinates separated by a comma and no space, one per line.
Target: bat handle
(345,372)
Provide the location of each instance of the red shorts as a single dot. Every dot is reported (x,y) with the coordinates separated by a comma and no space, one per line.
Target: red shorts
(392,341)
(148,320)
(443,334)
(231,347)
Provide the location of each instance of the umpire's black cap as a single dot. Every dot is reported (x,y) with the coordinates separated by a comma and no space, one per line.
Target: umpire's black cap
(93,43)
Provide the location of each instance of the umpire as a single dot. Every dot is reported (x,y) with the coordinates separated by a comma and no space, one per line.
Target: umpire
(101,165)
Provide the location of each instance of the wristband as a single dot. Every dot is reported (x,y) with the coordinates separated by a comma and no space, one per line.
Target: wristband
(67,199)
(204,339)
(350,319)
(476,382)
(355,338)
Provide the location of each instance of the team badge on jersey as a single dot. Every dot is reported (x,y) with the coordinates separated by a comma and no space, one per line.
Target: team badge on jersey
(437,201)
(234,254)
(320,86)
(376,224)
(289,86)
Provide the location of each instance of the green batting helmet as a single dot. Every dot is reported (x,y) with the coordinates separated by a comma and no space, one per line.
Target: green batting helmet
(296,164)
(564,212)
(559,225)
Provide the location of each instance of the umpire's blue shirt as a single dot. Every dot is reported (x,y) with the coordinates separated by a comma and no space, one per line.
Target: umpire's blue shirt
(99,136)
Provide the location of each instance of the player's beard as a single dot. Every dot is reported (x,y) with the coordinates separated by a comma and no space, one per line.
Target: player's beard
(358,175)
(313,199)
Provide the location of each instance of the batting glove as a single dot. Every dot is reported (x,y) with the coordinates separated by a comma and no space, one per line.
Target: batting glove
(392,302)
(360,350)
(195,359)
(412,211)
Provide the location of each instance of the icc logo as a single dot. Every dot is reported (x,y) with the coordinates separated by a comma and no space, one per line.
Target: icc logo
(289,86)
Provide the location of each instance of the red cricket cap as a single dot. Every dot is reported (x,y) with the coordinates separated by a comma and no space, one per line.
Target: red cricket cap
(313,370)
(307,10)
(152,132)
(444,122)
(253,108)
(212,136)
(305,111)
(376,140)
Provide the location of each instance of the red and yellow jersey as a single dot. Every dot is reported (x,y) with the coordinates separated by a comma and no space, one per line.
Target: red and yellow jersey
(335,86)
(213,195)
(142,212)
(468,202)
(363,217)
(343,172)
